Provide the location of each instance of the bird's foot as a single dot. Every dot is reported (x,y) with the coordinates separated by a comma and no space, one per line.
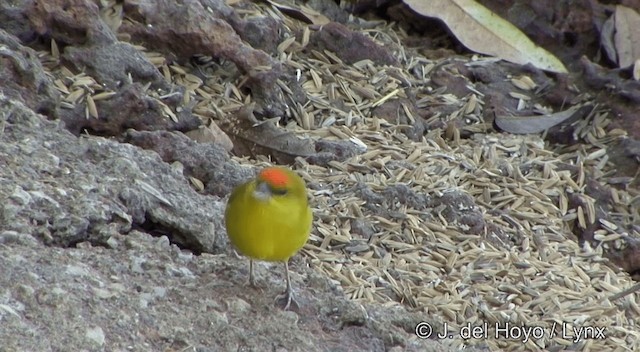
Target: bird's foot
(252,279)
(287,300)
(253,283)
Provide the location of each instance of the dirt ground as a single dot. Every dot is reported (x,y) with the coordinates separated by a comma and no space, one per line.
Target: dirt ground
(126,124)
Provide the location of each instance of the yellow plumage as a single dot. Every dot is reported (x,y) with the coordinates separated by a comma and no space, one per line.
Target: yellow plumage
(268,218)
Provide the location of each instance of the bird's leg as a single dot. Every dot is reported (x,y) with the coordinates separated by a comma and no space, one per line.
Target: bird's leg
(287,295)
(252,282)
(289,290)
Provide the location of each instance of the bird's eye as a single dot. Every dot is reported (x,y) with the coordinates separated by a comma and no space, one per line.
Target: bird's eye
(279,191)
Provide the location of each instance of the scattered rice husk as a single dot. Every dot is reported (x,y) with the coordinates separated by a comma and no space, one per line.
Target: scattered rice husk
(540,278)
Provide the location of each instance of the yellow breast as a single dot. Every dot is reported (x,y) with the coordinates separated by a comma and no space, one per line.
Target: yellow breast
(272,229)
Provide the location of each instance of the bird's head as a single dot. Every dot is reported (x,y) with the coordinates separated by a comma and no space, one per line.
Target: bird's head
(278,182)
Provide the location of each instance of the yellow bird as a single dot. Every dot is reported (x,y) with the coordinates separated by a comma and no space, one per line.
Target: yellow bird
(268,218)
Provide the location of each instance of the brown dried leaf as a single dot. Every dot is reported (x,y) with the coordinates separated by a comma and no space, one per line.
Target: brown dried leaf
(211,134)
(606,38)
(485,32)
(300,12)
(627,37)
(534,123)
(252,137)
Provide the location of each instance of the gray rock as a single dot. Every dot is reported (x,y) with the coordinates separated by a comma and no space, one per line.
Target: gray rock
(65,190)
(95,335)
(94,250)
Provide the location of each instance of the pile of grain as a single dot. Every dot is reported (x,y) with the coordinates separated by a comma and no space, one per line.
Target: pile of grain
(534,274)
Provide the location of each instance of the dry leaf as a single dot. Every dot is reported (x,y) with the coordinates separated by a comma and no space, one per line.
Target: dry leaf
(211,134)
(302,13)
(535,123)
(252,137)
(627,37)
(606,38)
(484,32)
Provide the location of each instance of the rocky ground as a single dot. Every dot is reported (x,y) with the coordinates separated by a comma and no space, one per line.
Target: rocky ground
(137,291)
(117,124)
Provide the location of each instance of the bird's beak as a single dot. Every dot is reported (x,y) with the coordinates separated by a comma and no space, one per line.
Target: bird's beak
(262,191)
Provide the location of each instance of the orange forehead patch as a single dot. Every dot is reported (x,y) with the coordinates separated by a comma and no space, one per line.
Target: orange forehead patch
(276,177)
